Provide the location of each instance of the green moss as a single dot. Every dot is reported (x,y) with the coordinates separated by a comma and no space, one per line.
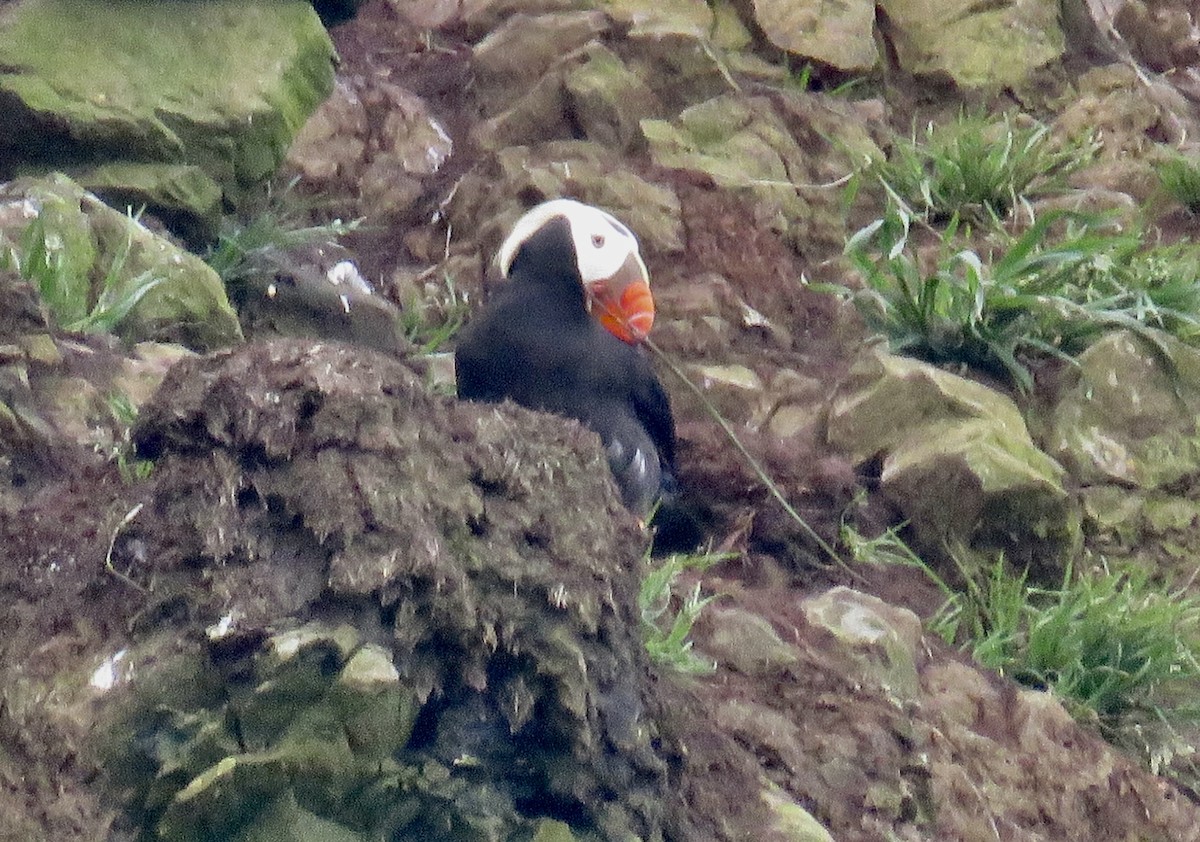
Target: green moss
(220,84)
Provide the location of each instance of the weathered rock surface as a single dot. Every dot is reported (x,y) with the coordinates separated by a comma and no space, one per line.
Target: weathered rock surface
(1126,427)
(101,255)
(840,35)
(121,108)
(974,46)
(799,678)
(744,146)
(488,541)
(284,505)
(958,461)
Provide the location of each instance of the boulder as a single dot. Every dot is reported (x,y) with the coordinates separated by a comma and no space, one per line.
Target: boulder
(840,35)
(1125,426)
(588,93)
(1125,418)
(679,62)
(125,94)
(743,145)
(514,56)
(957,460)
(975,46)
(100,255)
(880,639)
(420,613)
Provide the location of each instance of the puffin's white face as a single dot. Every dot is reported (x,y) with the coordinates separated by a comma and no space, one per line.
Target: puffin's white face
(602,242)
(609,261)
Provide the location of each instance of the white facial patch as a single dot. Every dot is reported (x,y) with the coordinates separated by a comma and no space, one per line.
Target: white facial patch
(602,242)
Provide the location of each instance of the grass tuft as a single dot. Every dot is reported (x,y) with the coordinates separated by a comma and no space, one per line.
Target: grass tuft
(129,466)
(40,259)
(1118,649)
(979,168)
(1048,293)
(432,316)
(1180,177)
(667,620)
(245,247)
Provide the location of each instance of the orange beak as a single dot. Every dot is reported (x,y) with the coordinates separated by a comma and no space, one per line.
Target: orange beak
(623,303)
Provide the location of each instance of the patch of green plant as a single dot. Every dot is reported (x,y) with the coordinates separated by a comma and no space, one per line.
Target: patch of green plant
(1180,177)
(979,167)
(1051,291)
(41,260)
(1118,649)
(129,466)
(432,316)
(666,620)
(245,247)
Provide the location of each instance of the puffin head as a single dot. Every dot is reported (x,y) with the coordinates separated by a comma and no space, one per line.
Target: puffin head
(605,252)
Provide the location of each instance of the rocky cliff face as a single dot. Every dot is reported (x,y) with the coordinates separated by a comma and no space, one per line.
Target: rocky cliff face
(342,605)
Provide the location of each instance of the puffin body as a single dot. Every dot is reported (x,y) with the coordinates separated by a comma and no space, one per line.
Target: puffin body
(549,340)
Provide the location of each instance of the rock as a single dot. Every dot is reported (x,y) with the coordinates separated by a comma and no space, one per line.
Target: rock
(510,60)
(538,116)
(744,641)
(370,148)
(679,64)
(745,147)
(974,46)
(792,822)
(125,94)
(298,480)
(588,92)
(549,830)
(102,249)
(608,100)
(1123,418)
(491,198)
(484,16)
(839,35)
(733,389)
(1127,430)
(299,723)
(883,640)
(958,460)
(182,196)
(285,821)
(317,292)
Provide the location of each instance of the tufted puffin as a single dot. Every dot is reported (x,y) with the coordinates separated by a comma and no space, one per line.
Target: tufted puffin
(560,336)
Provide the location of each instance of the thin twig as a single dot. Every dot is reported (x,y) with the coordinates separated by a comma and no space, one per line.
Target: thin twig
(112,543)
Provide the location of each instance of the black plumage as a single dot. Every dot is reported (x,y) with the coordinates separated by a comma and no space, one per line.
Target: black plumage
(536,343)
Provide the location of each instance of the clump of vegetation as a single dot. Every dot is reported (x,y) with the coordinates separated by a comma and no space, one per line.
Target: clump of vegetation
(1049,292)
(123,453)
(245,247)
(431,316)
(1119,650)
(979,168)
(1180,177)
(43,261)
(666,620)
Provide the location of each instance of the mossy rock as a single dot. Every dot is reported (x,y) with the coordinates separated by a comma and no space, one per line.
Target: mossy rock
(102,251)
(123,109)
(958,461)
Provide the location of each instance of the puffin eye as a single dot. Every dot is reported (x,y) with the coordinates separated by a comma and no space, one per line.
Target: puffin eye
(598,240)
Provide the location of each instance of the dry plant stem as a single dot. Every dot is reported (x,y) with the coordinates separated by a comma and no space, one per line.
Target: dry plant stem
(112,543)
(758,469)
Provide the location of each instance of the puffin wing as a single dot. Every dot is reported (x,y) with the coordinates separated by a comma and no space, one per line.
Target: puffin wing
(653,410)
